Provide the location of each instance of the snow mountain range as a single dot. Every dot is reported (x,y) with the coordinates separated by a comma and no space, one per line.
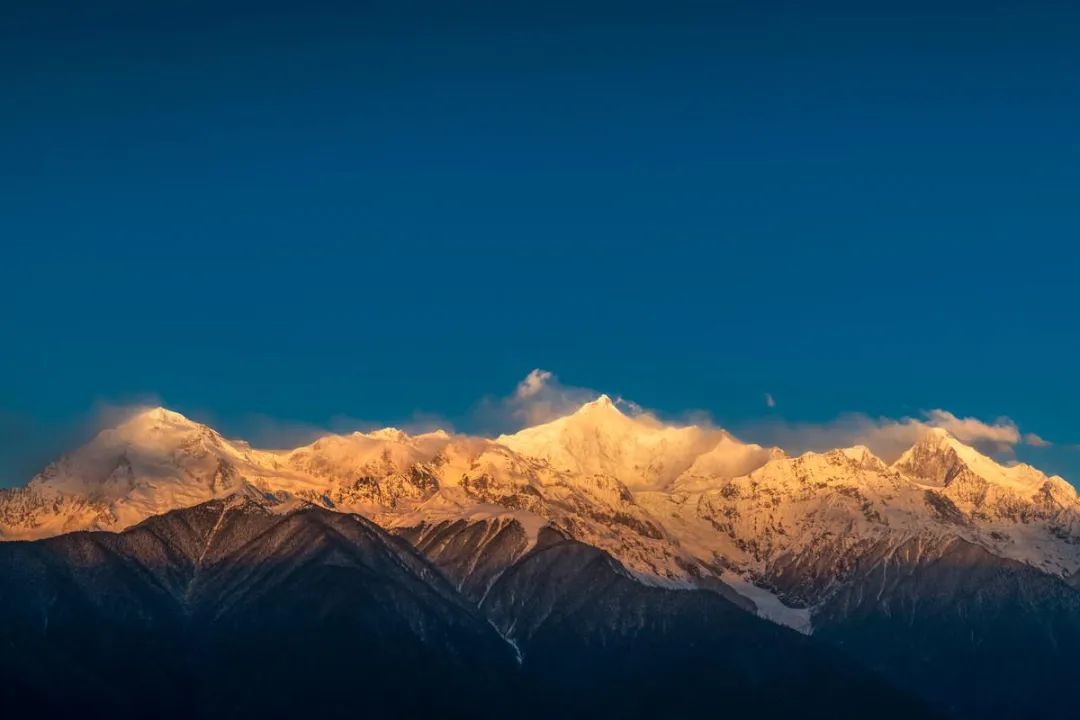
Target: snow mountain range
(677,505)
(944,553)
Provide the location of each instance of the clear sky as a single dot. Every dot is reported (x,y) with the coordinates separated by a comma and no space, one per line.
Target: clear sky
(389,210)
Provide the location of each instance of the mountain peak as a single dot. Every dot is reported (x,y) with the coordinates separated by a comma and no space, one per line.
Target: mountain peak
(860,453)
(599,439)
(398,435)
(387,433)
(938,457)
(600,404)
(157,417)
(938,436)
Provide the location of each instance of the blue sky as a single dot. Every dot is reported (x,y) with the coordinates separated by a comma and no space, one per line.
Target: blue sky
(383,211)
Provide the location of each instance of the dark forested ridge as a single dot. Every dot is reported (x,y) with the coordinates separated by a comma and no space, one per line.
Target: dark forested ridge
(231,609)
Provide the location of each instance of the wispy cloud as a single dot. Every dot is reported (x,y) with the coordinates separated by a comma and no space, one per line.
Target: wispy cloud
(110,413)
(265,431)
(889,437)
(538,398)
(1035,441)
(27,444)
(534,383)
(998,437)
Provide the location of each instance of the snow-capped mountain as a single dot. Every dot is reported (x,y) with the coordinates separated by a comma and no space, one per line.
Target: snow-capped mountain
(153,462)
(640,452)
(677,505)
(943,554)
(824,507)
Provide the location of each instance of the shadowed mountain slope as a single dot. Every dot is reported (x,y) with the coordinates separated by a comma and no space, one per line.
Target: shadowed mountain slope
(244,608)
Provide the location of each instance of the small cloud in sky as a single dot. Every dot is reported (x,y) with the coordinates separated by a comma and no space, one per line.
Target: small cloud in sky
(770,402)
(1035,441)
(534,383)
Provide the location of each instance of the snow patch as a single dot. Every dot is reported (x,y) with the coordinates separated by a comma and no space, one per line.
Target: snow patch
(769,605)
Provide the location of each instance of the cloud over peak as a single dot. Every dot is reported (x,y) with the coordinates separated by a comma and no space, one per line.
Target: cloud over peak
(538,398)
(541,397)
(890,437)
(533,384)
(998,437)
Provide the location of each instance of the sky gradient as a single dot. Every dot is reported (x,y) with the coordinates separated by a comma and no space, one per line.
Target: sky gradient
(319,214)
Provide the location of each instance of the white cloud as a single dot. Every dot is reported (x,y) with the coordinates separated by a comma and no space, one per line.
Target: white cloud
(889,437)
(534,383)
(1035,441)
(28,444)
(998,437)
(541,397)
(264,431)
(538,398)
(886,438)
(110,413)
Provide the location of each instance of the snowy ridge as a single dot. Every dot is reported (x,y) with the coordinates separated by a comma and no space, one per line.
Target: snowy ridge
(639,452)
(679,506)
